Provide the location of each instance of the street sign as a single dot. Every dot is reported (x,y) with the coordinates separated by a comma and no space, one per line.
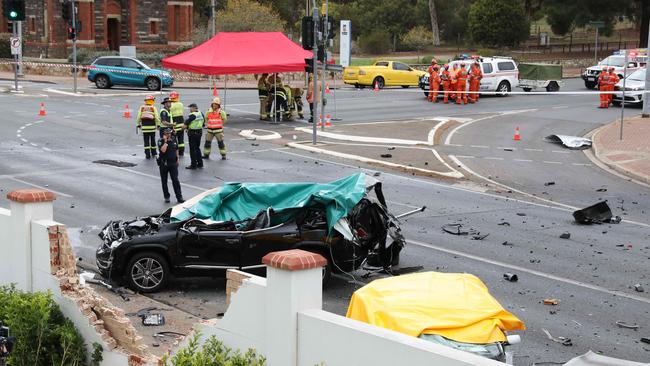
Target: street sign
(15,45)
(597,24)
(345,47)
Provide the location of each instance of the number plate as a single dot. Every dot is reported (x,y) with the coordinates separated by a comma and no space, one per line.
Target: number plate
(591,79)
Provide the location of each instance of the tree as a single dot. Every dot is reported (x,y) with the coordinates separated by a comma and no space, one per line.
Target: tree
(497,23)
(434,23)
(248,16)
(417,38)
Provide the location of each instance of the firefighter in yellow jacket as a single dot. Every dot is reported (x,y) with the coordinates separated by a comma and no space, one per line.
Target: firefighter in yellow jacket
(148,121)
(176,110)
(215,120)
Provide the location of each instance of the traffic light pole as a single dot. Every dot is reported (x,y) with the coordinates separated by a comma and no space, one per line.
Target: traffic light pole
(14,29)
(314,115)
(74,45)
(324,62)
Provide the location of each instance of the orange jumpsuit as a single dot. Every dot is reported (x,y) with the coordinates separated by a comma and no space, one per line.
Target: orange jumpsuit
(431,71)
(603,86)
(475,77)
(461,86)
(434,86)
(453,81)
(445,78)
(613,80)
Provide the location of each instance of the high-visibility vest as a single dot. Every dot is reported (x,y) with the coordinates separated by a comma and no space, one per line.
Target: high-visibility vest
(215,122)
(198,121)
(176,111)
(147,118)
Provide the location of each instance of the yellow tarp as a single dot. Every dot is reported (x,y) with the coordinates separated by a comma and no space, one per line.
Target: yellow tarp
(454,305)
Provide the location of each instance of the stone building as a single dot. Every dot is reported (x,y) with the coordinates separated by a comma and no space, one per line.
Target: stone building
(106,25)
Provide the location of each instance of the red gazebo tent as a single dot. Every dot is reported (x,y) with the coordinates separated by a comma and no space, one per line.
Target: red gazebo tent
(241,53)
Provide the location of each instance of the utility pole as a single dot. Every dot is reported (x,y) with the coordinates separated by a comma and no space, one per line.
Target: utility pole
(74,44)
(19,29)
(213,17)
(317,38)
(324,62)
(646,105)
(623,97)
(14,29)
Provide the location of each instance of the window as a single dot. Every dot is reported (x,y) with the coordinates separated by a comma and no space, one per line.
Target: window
(31,25)
(130,64)
(382,63)
(487,68)
(400,66)
(109,61)
(153,27)
(505,66)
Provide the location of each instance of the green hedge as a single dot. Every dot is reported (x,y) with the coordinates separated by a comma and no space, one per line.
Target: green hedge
(213,352)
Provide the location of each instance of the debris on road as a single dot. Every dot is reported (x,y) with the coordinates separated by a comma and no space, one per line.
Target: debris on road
(521,214)
(153,319)
(479,236)
(596,214)
(169,334)
(504,223)
(601,190)
(550,302)
(507,149)
(625,325)
(454,229)
(549,184)
(117,163)
(510,277)
(508,244)
(638,288)
(645,340)
(561,340)
(565,236)
(571,142)
(386,155)
(391,148)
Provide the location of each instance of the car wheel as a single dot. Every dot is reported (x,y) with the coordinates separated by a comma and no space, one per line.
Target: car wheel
(405,86)
(527,89)
(552,87)
(359,86)
(503,89)
(590,85)
(102,82)
(147,272)
(152,83)
(379,81)
(616,103)
(426,94)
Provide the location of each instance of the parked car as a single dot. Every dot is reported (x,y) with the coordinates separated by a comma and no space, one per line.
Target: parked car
(235,225)
(500,74)
(107,71)
(544,76)
(617,60)
(382,73)
(455,310)
(634,89)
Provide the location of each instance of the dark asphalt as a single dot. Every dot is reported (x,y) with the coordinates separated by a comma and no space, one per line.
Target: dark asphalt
(591,273)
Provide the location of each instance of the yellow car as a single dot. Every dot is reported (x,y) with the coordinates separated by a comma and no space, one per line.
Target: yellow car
(381,74)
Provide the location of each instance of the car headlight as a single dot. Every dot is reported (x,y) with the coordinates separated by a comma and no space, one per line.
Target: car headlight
(636,89)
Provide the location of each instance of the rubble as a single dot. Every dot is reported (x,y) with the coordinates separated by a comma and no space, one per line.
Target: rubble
(596,214)
(511,277)
(565,236)
(561,340)
(550,302)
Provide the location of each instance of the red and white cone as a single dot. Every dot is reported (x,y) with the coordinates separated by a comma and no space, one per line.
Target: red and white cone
(320,121)
(42,111)
(517,136)
(127,111)
(328,120)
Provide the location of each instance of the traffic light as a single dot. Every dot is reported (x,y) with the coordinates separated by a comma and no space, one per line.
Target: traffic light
(13,9)
(329,26)
(66,13)
(72,34)
(307,33)
(309,65)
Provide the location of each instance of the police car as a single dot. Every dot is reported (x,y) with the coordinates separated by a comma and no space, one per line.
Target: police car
(500,74)
(617,60)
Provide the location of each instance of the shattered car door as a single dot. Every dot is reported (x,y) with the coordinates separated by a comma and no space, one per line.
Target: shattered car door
(259,242)
(203,248)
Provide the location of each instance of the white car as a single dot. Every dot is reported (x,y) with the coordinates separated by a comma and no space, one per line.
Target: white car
(500,74)
(634,89)
(590,75)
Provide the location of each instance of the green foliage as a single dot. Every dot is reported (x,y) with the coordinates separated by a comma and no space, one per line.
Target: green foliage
(417,38)
(498,23)
(564,16)
(5,47)
(43,335)
(97,356)
(213,352)
(375,42)
(248,16)
(86,55)
(452,20)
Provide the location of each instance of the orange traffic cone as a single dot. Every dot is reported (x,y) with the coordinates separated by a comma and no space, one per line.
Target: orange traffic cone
(327,88)
(127,111)
(517,136)
(42,111)
(376,86)
(328,120)
(320,120)
(215,92)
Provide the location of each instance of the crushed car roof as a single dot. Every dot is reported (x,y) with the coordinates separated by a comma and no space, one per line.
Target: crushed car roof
(240,201)
(457,306)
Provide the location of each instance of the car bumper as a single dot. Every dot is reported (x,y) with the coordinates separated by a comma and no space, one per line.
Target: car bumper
(631,97)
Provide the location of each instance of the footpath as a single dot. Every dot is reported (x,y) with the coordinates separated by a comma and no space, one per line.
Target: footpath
(629,156)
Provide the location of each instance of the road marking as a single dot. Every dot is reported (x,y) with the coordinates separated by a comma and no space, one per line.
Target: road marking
(157,177)
(377,140)
(522,160)
(21,128)
(23,140)
(33,144)
(520,269)
(243,111)
(498,114)
(432,133)
(480,146)
(580,164)
(19,135)
(41,187)
(46,149)
(561,152)
(506,148)
(551,162)
(455,145)
(492,158)
(538,150)
(466,156)
(561,107)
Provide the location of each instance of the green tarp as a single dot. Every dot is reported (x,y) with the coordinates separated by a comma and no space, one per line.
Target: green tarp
(241,201)
(528,71)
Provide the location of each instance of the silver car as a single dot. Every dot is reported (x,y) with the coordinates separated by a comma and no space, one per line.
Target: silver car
(634,89)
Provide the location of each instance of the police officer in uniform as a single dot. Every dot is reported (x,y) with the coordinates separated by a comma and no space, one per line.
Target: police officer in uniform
(194,126)
(147,121)
(168,163)
(177,111)
(166,116)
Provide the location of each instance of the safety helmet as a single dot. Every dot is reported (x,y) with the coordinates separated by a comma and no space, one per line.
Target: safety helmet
(612,69)
(216,100)
(446,66)
(149,97)
(173,95)
(433,61)
(462,64)
(167,130)
(604,68)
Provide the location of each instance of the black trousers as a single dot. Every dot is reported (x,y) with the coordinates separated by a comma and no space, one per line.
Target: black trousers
(149,143)
(194,137)
(170,170)
(180,138)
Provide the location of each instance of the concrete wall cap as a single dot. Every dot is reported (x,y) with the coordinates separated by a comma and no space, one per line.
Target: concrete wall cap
(31,195)
(294,260)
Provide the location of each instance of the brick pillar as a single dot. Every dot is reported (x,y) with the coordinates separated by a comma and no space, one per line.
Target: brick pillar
(27,205)
(293,284)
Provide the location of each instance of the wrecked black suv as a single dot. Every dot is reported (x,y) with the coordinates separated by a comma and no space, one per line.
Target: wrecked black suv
(235,225)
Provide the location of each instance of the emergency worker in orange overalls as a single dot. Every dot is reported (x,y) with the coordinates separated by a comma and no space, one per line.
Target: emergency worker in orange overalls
(215,120)
(613,80)
(453,81)
(475,77)
(434,84)
(445,79)
(603,86)
(432,70)
(461,84)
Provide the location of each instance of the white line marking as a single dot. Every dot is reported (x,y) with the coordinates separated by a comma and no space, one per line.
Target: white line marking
(46,149)
(377,140)
(19,135)
(538,150)
(507,148)
(561,106)
(492,158)
(23,140)
(480,146)
(243,111)
(29,124)
(498,114)
(551,162)
(432,133)
(41,187)
(561,152)
(455,145)
(523,160)
(582,164)
(466,156)
(22,128)
(33,144)
(520,269)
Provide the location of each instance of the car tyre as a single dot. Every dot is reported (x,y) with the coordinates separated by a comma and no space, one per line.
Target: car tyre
(379,81)
(590,85)
(552,87)
(616,103)
(527,89)
(504,87)
(102,82)
(152,83)
(426,94)
(147,272)
(405,86)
